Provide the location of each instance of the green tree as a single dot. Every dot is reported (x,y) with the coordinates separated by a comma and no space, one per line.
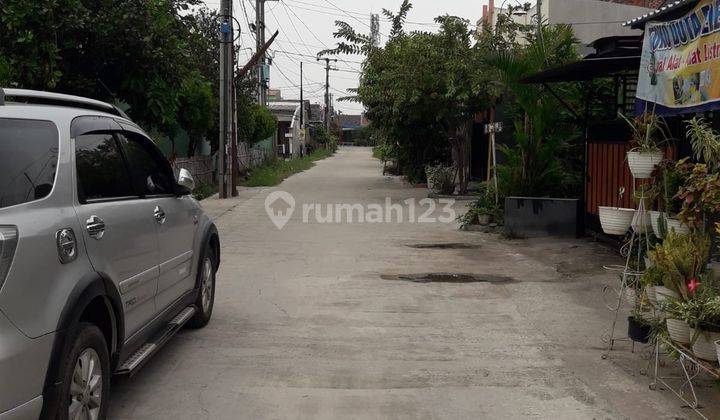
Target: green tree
(145,54)
(422,90)
(536,165)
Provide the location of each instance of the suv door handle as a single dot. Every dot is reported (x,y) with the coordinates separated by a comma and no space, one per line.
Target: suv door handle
(95,227)
(159,215)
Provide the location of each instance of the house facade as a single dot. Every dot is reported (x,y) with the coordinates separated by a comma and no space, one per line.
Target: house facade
(289,139)
(590,19)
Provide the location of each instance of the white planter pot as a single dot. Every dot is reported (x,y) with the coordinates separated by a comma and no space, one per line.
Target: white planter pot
(679,228)
(714,267)
(663,294)
(652,295)
(704,346)
(615,220)
(678,330)
(655,221)
(641,222)
(642,164)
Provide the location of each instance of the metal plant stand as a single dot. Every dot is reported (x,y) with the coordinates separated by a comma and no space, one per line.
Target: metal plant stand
(690,366)
(630,275)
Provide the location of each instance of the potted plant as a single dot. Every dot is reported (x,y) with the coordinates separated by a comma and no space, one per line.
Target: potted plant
(639,321)
(667,179)
(680,258)
(639,326)
(648,130)
(702,313)
(670,179)
(651,278)
(705,142)
(616,220)
(678,329)
(641,222)
(484,210)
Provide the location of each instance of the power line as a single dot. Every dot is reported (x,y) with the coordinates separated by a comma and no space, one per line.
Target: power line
(277,21)
(285,8)
(311,31)
(324,10)
(309,56)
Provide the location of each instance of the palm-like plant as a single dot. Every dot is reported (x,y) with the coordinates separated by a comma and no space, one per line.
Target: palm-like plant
(705,141)
(532,166)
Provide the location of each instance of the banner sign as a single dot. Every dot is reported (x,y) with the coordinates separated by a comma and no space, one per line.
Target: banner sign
(680,63)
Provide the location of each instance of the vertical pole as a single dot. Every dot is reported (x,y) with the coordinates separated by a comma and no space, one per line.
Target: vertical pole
(327,95)
(302,104)
(494,165)
(233,139)
(259,42)
(539,18)
(327,91)
(225,99)
(488,176)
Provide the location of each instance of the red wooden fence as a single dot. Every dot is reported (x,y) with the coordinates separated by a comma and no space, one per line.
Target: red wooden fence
(607,172)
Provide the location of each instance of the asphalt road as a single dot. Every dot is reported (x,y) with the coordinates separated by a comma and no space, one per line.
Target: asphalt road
(321,321)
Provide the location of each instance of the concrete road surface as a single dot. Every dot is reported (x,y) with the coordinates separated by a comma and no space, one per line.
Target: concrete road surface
(338,321)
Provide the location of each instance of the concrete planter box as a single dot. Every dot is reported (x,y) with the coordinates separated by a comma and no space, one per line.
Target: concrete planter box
(527,217)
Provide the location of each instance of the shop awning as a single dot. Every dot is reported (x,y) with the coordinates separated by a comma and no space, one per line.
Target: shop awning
(669,10)
(587,69)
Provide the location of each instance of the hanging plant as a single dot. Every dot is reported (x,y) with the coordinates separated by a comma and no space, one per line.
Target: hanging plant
(648,133)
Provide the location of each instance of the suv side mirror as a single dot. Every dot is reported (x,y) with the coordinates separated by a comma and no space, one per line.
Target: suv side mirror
(186,180)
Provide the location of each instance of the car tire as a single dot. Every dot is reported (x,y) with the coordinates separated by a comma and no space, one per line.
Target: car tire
(85,363)
(206,293)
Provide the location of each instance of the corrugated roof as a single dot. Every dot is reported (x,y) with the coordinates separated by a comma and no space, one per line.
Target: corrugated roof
(640,21)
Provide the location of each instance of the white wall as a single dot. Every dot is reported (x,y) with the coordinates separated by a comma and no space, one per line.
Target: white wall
(579,13)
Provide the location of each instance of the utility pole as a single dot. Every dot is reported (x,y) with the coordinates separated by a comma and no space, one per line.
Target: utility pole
(302,103)
(539,18)
(327,91)
(375,30)
(259,42)
(226,97)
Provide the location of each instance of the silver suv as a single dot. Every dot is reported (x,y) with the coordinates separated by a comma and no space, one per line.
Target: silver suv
(103,255)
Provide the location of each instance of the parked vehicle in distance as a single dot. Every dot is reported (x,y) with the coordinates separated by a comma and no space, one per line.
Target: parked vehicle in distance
(104,255)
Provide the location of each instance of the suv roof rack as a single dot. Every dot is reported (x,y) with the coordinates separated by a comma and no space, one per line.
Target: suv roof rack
(50,98)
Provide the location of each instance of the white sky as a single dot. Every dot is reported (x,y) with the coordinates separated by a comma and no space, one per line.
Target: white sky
(312,31)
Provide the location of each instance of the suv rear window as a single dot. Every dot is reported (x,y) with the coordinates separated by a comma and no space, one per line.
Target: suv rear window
(29,153)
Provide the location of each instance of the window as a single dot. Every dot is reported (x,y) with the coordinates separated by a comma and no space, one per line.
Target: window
(101,170)
(151,172)
(29,152)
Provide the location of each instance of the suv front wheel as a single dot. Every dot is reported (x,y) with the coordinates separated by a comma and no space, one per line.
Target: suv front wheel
(86,376)
(206,295)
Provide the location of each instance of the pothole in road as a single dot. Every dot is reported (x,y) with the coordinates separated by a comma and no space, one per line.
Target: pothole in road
(449,278)
(444,246)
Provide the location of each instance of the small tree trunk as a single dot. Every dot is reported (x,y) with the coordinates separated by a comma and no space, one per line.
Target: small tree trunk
(460,142)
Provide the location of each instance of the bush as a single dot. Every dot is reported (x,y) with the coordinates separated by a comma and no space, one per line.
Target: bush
(485,205)
(203,191)
(275,171)
(442,178)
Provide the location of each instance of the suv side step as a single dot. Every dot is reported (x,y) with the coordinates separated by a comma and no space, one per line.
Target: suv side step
(143,354)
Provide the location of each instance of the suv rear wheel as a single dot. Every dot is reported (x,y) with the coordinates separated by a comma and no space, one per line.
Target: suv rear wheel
(86,376)
(206,295)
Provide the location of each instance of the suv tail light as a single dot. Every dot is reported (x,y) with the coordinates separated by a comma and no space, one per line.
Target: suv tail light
(8,243)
